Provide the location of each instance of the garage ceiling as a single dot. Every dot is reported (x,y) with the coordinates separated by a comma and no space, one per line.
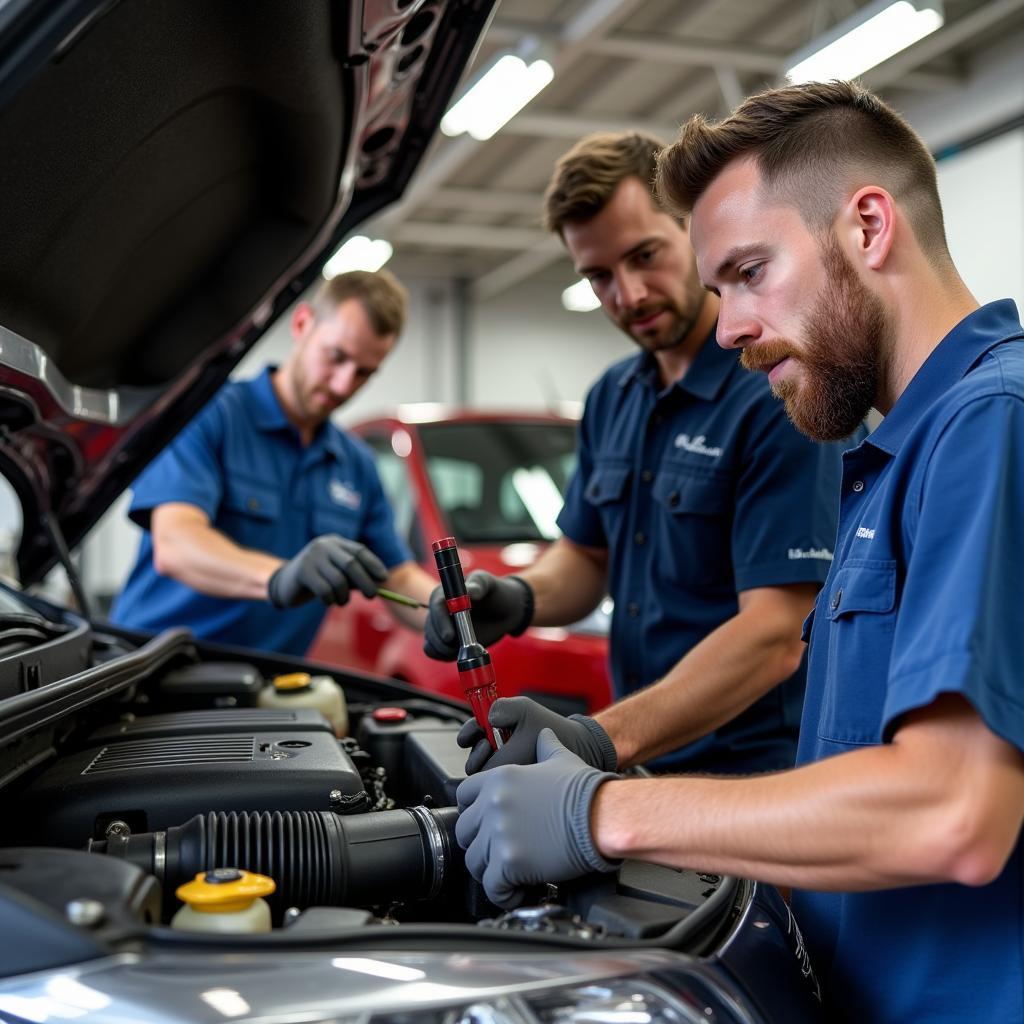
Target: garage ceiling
(473,212)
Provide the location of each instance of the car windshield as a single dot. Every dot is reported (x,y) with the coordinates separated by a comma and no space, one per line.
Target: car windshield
(499,483)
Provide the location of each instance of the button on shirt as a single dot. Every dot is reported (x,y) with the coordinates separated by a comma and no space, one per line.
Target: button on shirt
(244,465)
(924,599)
(699,491)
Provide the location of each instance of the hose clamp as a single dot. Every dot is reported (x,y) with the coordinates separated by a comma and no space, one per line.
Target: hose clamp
(435,844)
(159,854)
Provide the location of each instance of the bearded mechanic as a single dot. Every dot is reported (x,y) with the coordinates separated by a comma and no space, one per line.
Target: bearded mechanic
(816,218)
(262,512)
(696,505)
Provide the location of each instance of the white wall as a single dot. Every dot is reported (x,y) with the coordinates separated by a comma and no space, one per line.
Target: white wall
(528,352)
(982,193)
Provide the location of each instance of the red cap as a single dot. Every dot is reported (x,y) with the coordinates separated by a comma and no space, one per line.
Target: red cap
(390,714)
(443,543)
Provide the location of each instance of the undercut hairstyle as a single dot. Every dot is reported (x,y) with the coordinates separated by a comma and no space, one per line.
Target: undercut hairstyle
(813,145)
(385,300)
(586,176)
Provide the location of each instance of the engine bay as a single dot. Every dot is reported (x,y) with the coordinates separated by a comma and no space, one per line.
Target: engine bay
(130,765)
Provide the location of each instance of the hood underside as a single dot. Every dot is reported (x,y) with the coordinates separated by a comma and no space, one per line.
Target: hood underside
(174,175)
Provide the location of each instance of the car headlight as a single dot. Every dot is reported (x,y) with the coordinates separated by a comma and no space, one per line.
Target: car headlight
(619,1001)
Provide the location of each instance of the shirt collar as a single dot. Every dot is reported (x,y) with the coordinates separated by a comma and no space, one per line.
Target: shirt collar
(951,359)
(270,416)
(704,379)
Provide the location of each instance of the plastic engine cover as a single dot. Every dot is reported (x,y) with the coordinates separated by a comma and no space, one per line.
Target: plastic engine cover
(157,782)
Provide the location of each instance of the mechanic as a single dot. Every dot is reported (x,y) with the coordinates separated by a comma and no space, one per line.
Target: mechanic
(262,512)
(708,518)
(816,217)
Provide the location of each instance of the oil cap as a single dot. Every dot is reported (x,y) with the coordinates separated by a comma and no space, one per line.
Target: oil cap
(224,890)
(292,682)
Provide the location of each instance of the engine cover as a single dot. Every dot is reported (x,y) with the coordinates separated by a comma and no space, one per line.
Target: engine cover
(156,782)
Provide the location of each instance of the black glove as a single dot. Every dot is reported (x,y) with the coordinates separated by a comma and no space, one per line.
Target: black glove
(502,606)
(521,826)
(327,567)
(525,718)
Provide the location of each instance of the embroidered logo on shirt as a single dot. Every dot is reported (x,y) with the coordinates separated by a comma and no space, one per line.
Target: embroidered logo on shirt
(342,494)
(865,532)
(697,446)
(823,554)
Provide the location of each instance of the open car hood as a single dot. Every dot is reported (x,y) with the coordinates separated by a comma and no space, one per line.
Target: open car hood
(174,176)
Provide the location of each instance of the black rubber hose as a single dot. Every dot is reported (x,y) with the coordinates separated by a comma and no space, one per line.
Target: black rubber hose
(316,858)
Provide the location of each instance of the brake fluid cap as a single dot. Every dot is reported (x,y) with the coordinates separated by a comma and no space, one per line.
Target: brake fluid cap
(224,890)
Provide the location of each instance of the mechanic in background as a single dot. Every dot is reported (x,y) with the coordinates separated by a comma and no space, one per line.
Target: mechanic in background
(262,512)
(696,504)
(816,217)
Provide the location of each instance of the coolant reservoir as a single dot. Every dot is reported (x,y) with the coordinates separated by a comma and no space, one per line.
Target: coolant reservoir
(224,900)
(301,690)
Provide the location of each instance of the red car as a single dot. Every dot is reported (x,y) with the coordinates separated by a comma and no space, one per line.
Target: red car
(495,482)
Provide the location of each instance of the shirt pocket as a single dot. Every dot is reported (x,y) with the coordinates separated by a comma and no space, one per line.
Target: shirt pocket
(693,529)
(607,491)
(250,514)
(861,609)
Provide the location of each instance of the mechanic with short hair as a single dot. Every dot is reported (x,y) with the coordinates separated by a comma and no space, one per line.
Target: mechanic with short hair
(708,518)
(262,512)
(816,218)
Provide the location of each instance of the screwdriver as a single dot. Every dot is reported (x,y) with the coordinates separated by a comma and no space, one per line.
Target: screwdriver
(476,672)
(409,602)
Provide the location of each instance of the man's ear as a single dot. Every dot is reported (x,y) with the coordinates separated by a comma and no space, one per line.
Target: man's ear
(869,221)
(303,318)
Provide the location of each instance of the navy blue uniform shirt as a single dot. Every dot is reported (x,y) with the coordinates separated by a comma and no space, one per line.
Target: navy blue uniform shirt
(244,465)
(924,598)
(699,491)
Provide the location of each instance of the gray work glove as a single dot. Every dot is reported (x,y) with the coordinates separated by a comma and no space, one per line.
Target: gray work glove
(522,825)
(327,568)
(524,719)
(502,606)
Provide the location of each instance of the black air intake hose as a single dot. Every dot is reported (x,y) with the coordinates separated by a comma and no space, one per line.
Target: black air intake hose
(317,858)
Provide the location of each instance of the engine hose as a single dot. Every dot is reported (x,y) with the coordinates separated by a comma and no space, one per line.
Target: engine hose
(316,858)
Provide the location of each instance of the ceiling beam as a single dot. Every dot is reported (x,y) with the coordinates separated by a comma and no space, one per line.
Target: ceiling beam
(895,70)
(486,200)
(467,236)
(518,268)
(560,125)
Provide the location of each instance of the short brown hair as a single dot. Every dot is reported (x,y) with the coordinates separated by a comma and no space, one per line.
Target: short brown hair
(812,143)
(589,173)
(382,296)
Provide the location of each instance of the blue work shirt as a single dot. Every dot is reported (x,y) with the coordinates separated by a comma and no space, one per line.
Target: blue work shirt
(924,599)
(244,465)
(698,491)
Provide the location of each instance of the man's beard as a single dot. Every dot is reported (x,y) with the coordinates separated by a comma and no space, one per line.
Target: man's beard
(686,313)
(842,360)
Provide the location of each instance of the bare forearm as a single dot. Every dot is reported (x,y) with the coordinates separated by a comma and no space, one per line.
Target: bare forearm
(714,682)
(412,581)
(911,812)
(203,558)
(568,583)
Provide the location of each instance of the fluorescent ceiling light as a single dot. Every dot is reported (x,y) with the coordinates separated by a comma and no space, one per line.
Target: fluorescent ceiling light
(497,97)
(358,253)
(872,35)
(580,297)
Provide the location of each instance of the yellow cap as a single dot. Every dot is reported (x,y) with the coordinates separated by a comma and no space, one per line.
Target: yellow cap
(224,890)
(292,681)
